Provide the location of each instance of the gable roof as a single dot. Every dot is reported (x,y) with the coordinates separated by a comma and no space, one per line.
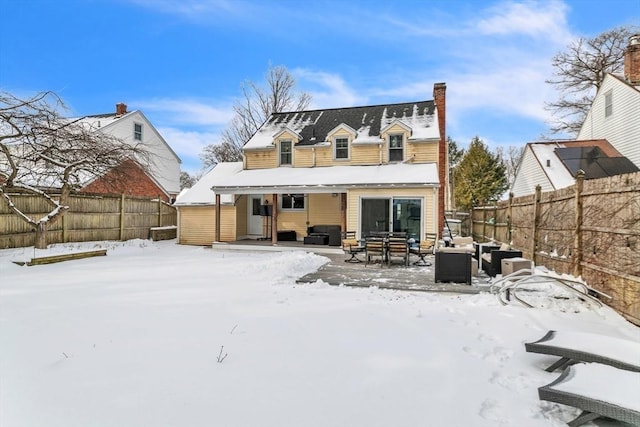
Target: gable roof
(313,126)
(561,160)
(100,121)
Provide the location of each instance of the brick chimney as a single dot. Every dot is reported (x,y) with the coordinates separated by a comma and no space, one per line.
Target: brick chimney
(632,60)
(121,109)
(439,98)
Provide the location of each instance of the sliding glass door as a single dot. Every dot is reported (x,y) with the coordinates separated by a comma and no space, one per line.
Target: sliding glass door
(391,214)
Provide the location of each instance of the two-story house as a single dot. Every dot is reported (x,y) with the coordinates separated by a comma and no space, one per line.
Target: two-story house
(608,142)
(615,111)
(364,169)
(159,178)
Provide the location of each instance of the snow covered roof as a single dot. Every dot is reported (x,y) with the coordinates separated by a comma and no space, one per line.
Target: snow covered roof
(561,170)
(201,193)
(230,178)
(313,127)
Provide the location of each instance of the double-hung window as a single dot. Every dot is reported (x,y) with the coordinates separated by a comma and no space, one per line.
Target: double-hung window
(342,148)
(396,148)
(286,151)
(293,201)
(137,131)
(608,104)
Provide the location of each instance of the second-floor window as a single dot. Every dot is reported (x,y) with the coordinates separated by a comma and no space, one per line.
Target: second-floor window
(396,153)
(608,104)
(137,131)
(285,152)
(342,148)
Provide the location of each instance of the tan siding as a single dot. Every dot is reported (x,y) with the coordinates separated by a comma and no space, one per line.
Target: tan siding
(425,152)
(293,220)
(261,159)
(303,158)
(228,224)
(197,225)
(324,209)
(427,194)
(366,154)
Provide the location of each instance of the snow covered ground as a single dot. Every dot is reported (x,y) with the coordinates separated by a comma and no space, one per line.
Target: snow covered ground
(157,334)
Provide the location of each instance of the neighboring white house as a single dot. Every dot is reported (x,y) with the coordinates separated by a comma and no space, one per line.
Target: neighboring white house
(615,111)
(133,127)
(554,164)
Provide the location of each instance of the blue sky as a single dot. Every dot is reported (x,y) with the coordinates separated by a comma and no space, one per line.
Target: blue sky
(182,62)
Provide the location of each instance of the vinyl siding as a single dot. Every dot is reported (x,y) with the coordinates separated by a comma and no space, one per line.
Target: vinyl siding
(242,213)
(262,159)
(197,225)
(422,152)
(529,175)
(622,128)
(429,205)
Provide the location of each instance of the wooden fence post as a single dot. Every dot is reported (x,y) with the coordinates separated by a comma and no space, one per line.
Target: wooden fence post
(484,224)
(510,219)
(65,227)
(578,250)
(536,222)
(159,212)
(122,216)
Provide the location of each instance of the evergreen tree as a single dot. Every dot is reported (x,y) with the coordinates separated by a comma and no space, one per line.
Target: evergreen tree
(480,177)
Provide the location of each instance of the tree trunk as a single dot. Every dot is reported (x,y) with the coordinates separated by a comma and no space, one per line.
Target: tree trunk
(41,236)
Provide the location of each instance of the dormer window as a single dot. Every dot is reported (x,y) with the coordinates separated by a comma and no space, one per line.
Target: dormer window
(341,148)
(137,131)
(286,152)
(396,148)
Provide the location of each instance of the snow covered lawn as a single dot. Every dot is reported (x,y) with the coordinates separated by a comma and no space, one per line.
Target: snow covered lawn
(135,339)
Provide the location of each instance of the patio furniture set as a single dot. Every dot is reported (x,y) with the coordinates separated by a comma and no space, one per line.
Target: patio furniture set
(601,375)
(385,247)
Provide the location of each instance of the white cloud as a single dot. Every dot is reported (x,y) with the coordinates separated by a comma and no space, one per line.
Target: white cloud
(188,145)
(537,19)
(187,112)
(327,89)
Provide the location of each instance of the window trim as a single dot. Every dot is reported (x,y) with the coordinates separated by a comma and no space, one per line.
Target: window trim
(347,148)
(290,142)
(608,104)
(401,149)
(293,197)
(136,133)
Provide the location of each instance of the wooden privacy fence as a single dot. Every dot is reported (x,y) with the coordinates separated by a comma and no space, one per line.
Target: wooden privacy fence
(89,218)
(591,229)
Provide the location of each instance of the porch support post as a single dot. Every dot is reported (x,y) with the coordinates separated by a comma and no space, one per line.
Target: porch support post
(217,217)
(274,219)
(343,211)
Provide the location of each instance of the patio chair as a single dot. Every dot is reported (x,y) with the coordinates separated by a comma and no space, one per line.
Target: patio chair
(398,247)
(598,390)
(374,247)
(352,246)
(574,347)
(425,248)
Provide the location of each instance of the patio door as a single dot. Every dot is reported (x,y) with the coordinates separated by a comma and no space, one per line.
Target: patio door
(254,220)
(391,214)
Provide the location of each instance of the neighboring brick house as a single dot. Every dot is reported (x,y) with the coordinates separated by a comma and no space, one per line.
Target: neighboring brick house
(162,177)
(364,169)
(128,178)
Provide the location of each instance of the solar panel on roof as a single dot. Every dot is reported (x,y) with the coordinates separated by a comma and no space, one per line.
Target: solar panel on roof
(594,162)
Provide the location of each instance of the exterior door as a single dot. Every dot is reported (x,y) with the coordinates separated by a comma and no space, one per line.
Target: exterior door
(254,220)
(374,216)
(391,214)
